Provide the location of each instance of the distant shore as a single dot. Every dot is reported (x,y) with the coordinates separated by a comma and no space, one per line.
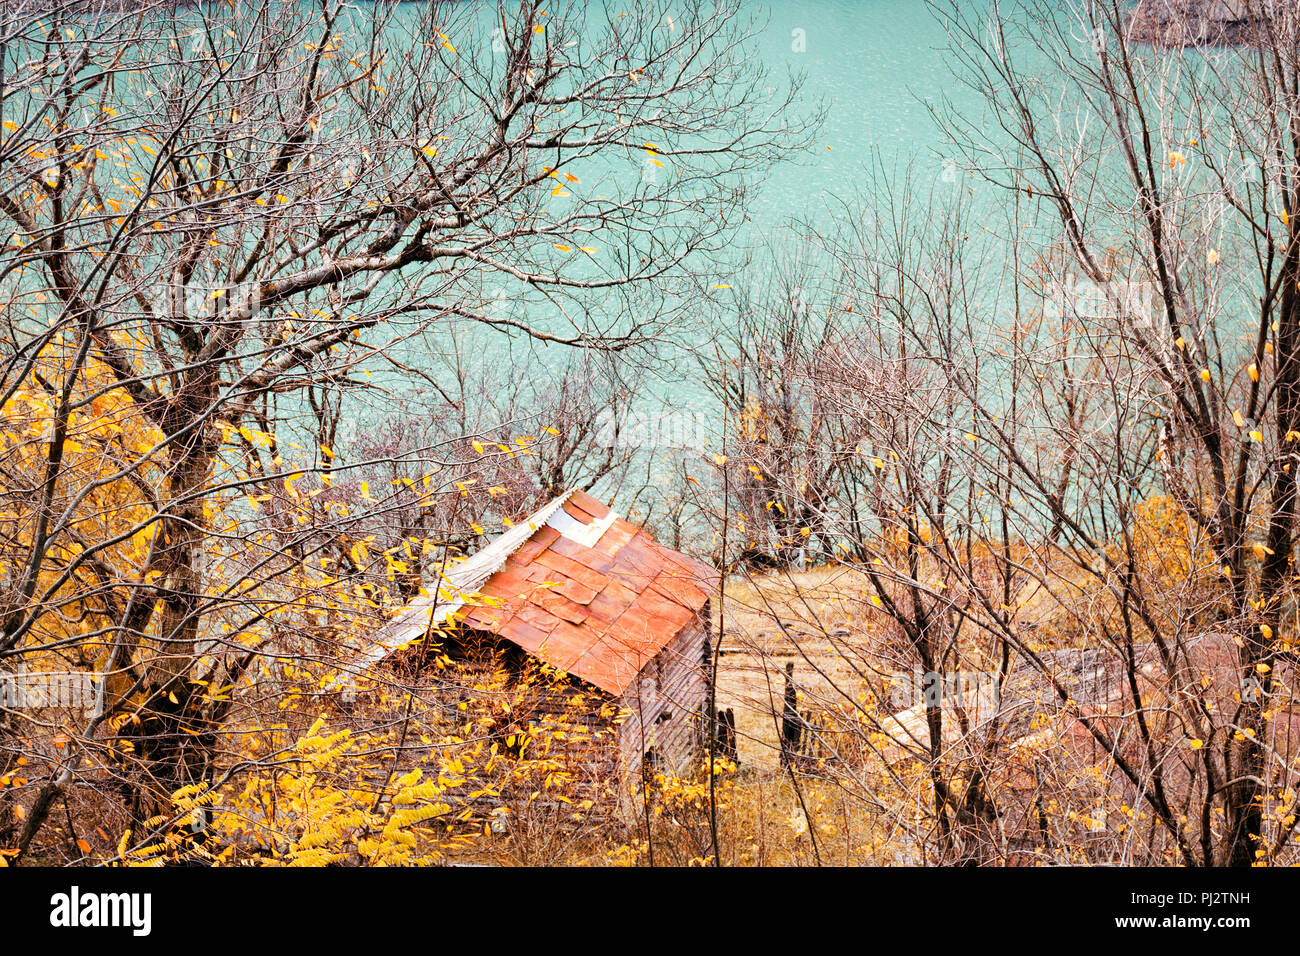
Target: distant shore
(1188,23)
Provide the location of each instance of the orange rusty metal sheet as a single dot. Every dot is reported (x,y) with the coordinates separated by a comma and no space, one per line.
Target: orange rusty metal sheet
(525,635)
(687,592)
(609,666)
(556,603)
(640,630)
(571,569)
(598,604)
(612,601)
(565,646)
(587,557)
(581,505)
(535,545)
(538,616)
(616,538)
(485,618)
(663,607)
(506,584)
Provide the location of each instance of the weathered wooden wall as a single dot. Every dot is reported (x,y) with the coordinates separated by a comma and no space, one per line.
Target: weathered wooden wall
(664,706)
(603,760)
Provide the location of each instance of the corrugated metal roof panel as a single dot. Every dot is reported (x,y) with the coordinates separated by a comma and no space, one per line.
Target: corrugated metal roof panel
(590,593)
(459,581)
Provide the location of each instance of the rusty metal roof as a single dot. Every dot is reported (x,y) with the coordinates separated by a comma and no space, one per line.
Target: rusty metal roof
(574,585)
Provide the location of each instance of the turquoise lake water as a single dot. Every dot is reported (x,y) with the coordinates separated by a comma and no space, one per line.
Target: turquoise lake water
(873,64)
(870,68)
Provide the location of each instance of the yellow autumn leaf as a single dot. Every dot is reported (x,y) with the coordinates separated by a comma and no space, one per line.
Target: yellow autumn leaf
(255,436)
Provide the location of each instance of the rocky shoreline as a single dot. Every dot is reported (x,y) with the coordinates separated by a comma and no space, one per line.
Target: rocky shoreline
(1188,23)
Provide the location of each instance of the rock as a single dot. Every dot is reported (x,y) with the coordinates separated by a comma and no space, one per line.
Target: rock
(1186,23)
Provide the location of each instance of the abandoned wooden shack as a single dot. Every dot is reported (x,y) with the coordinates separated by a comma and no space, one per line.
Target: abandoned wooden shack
(578,587)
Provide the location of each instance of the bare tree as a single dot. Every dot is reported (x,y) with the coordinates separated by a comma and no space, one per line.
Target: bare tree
(1074,433)
(223,223)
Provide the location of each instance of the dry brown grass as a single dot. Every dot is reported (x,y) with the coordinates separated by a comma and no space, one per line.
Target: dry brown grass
(823,621)
(820,621)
